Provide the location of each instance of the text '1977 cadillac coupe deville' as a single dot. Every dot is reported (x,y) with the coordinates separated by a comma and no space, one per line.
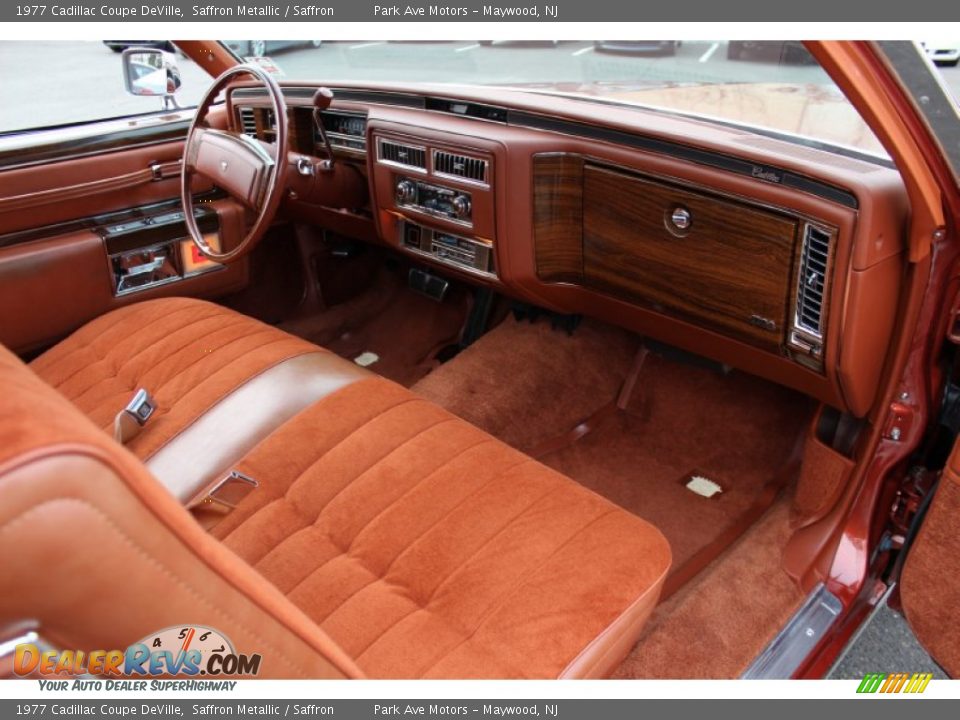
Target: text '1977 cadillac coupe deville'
(379,375)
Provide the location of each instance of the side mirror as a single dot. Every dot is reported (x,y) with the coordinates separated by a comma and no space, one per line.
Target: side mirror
(148,72)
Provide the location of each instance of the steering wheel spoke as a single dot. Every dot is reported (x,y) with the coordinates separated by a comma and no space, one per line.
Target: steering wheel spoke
(243,167)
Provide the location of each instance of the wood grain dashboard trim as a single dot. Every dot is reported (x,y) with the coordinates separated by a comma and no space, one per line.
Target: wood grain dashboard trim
(609,230)
(730,270)
(558,217)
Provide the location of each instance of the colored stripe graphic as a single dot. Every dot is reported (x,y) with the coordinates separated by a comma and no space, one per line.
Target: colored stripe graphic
(890,683)
(871,683)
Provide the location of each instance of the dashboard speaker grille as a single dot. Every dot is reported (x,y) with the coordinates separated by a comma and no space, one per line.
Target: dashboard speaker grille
(812,280)
(461,166)
(401,154)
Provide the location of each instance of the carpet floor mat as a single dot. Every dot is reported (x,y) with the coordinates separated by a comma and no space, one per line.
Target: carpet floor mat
(718,625)
(394,329)
(636,426)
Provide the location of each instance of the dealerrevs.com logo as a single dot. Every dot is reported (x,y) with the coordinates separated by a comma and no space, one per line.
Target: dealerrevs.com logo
(186,650)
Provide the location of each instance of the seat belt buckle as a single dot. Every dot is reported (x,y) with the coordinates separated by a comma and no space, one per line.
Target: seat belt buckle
(226,493)
(130,420)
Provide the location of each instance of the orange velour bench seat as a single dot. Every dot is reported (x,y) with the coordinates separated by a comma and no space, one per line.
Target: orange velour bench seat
(387,538)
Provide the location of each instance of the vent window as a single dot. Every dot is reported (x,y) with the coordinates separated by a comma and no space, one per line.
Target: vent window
(461,166)
(812,283)
(406,155)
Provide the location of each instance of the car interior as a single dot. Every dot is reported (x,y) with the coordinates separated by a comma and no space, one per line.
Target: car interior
(401,381)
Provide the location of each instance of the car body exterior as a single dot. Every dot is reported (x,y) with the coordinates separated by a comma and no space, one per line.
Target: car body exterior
(651,47)
(942,53)
(121,45)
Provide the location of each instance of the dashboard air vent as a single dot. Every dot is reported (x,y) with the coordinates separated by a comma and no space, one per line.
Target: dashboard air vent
(248,122)
(400,154)
(462,166)
(812,282)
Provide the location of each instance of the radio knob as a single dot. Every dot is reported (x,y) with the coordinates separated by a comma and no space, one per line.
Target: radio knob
(461,206)
(406,192)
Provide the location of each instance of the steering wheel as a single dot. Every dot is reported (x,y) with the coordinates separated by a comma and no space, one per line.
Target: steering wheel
(251,172)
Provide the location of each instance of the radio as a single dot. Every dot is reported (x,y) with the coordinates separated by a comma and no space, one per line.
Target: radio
(454,205)
(474,255)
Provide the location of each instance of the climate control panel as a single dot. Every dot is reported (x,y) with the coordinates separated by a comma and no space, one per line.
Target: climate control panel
(464,253)
(453,205)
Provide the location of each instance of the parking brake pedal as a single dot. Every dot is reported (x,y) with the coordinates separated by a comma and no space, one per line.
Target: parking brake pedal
(430,285)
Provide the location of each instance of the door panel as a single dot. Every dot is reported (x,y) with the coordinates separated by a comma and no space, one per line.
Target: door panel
(48,160)
(55,269)
(930,583)
(50,287)
(93,172)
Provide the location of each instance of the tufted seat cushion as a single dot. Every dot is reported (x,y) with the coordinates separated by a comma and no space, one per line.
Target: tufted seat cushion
(427,548)
(221,382)
(188,353)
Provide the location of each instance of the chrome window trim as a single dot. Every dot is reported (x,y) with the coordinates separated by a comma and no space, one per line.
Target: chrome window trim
(40,147)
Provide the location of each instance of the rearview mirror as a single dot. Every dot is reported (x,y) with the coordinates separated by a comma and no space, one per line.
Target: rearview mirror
(148,72)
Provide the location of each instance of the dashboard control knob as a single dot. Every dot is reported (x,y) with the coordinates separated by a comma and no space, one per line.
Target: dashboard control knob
(461,206)
(680,218)
(304,166)
(406,192)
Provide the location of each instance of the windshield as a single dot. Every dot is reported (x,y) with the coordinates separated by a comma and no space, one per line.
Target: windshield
(773,85)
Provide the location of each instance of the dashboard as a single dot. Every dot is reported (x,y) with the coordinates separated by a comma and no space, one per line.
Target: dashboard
(781,259)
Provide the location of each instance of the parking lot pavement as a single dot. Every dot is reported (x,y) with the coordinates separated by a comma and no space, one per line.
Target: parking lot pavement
(69,82)
(951,77)
(885,642)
